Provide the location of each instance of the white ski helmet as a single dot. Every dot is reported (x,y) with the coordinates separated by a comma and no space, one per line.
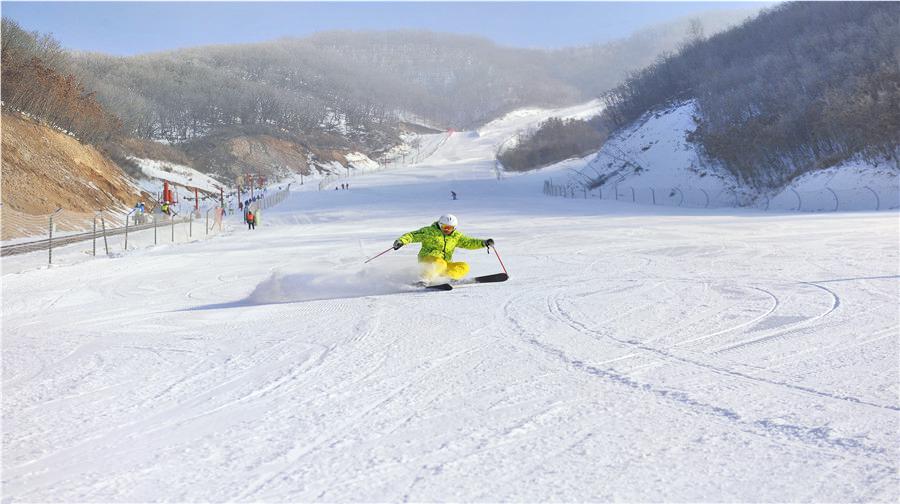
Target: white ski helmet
(448,220)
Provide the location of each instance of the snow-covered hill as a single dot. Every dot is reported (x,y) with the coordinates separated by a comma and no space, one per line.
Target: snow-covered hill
(637,353)
(182,180)
(175,173)
(655,152)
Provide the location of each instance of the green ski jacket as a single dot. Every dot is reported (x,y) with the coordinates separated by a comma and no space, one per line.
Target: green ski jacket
(436,244)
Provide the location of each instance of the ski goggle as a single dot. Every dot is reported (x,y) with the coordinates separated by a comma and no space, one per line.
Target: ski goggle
(447,228)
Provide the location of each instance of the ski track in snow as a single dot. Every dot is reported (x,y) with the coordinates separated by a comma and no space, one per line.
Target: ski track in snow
(635,354)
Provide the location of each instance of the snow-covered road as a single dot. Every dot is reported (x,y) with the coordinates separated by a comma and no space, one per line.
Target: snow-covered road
(636,354)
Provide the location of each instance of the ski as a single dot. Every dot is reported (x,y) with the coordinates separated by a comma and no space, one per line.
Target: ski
(439,287)
(435,287)
(498,277)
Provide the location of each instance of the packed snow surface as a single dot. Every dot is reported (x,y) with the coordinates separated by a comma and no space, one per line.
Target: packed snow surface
(637,353)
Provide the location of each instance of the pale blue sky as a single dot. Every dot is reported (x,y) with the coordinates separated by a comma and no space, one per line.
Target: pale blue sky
(126,28)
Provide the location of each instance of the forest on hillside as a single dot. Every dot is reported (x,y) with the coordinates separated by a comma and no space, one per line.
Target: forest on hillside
(803,86)
(353,82)
(35,80)
(330,90)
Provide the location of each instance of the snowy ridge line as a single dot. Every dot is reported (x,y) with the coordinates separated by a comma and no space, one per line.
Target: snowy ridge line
(824,200)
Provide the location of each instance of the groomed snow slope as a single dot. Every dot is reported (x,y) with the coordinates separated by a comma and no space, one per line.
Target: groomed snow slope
(636,354)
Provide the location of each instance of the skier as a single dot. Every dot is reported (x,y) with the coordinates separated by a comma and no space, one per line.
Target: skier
(453,195)
(251,220)
(139,213)
(439,240)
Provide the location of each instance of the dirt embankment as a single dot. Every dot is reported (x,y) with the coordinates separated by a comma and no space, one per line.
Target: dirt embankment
(45,169)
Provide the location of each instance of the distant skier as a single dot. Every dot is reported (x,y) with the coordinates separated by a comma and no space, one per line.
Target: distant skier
(251,220)
(439,240)
(139,213)
(453,195)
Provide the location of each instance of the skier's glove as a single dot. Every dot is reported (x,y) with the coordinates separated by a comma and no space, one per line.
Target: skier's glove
(397,244)
(489,242)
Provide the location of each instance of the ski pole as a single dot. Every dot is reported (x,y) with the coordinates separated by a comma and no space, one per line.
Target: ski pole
(498,258)
(379,255)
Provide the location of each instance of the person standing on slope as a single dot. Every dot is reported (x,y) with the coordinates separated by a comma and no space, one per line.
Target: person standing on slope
(439,240)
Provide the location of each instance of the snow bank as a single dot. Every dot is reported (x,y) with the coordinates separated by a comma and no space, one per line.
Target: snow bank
(655,152)
(854,185)
(176,174)
(360,162)
(520,119)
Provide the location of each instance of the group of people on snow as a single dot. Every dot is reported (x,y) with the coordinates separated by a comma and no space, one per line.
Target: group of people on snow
(246,203)
(140,214)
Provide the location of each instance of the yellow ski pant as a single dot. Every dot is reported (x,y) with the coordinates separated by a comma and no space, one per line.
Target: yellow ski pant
(433,267)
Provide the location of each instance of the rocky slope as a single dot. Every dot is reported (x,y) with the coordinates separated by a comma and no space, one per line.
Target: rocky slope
(45,169)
